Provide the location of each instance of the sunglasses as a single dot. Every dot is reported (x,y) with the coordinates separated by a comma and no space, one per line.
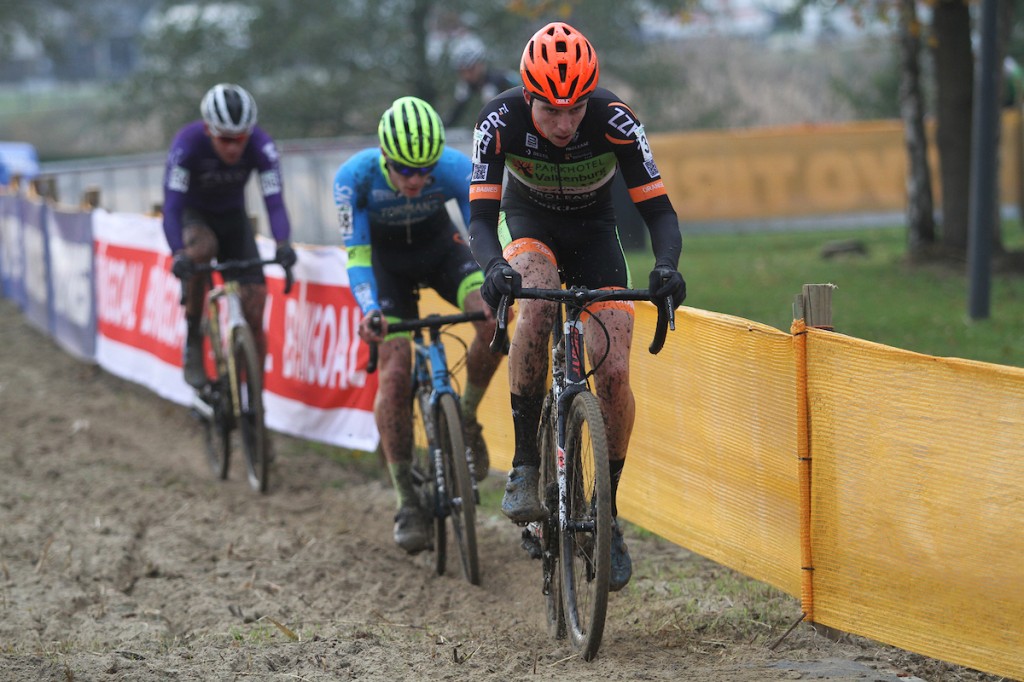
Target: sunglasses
(233,139)
(409,171)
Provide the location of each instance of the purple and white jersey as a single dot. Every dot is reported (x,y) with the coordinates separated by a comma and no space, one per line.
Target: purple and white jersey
(196,178)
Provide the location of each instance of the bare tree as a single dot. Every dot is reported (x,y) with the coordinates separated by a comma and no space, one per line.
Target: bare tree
(920,205)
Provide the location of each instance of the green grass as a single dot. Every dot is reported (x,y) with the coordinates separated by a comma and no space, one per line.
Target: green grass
(879,297)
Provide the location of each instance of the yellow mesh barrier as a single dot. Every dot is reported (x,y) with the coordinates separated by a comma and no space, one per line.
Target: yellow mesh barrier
(918,500)
(901,472)
(711,464)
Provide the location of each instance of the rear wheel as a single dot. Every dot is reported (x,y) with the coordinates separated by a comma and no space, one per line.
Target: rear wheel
(458,502)
(249,382)
(547,442)
(586,542)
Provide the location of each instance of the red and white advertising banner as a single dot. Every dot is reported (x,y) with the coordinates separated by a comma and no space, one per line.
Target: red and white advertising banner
(316,386)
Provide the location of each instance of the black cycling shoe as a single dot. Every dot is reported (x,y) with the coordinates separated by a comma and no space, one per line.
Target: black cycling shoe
(195,371)
(411,533)
(622,565)
(521,503)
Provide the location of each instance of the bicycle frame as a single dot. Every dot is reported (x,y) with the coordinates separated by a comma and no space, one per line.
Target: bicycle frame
(430,368)
(217,298)
(569,377)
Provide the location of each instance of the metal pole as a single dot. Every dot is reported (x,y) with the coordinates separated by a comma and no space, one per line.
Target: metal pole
(983,198)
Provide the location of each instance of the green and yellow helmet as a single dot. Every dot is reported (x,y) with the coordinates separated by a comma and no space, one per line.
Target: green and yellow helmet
(411,133)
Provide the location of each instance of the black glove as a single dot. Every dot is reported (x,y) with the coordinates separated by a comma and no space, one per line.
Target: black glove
(285,255)
(500,279)
(181,266)
(666,281)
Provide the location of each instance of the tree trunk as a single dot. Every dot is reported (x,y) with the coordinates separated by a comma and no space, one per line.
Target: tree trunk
(423,78)
(954,76)
(1004,23)
(920,204)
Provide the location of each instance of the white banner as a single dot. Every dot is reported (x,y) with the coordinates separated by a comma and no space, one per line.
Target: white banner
(316,386)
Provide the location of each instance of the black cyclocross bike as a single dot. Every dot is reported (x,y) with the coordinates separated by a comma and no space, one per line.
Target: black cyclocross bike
(442,465)
(233,399)
(573,542)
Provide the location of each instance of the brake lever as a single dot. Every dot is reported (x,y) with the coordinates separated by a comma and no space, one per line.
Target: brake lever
(371,364)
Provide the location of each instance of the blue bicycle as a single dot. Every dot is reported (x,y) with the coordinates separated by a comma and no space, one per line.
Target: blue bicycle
(442,466)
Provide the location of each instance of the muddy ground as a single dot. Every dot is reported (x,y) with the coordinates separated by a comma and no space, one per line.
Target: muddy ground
(121,558)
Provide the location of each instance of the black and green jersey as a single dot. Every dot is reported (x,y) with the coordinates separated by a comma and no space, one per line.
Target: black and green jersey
(574,181)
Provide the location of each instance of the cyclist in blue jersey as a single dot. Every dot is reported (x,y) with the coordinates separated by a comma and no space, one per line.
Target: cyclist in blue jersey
(558,141)
(204,215)
(399,236)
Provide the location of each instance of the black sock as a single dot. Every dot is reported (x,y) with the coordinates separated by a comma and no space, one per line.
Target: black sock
(615,469)
(525,418)
(194,325)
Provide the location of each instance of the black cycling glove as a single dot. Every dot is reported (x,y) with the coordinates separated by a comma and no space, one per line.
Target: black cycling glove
(666,281)
(181,266)
(500,279)
(286,255)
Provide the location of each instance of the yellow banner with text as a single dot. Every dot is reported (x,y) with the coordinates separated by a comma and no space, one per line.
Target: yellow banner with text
(805,170)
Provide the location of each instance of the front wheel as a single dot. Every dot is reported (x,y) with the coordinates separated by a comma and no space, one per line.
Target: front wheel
(460,501)
(217,428)
(547,443)
(248,383)
(586,534)
(423,473)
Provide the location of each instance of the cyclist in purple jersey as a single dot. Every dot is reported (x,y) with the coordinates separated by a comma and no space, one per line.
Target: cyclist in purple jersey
(204,214)
(399,237)
(558,141)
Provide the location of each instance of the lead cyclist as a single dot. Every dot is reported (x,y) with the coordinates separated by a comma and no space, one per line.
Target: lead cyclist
(558,141)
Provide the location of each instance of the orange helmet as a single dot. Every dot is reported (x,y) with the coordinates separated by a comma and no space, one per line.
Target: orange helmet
(559,65)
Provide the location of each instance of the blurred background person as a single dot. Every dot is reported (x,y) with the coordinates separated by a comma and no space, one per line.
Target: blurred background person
(478,81)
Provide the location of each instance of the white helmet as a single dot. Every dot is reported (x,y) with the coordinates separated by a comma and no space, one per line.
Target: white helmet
(467,52)
(228,109)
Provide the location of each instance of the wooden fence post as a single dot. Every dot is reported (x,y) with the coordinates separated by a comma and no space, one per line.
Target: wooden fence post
(813,305)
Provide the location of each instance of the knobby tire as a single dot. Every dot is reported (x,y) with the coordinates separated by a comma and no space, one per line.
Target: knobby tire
(249,383)
(217,432)
(547,443)
(459,502)
(423,472)
(586,554)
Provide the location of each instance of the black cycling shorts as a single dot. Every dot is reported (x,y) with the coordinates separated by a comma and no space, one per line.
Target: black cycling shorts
(235,240)
(436,256)
(587,249)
